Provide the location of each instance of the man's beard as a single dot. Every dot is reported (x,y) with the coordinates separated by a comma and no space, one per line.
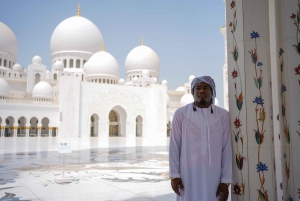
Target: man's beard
(202,102)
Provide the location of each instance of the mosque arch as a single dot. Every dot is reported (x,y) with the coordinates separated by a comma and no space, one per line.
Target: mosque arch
(82,77)
(45,127)
(4,64)
(139,126)
(37,78)
(71,63)
(55,76)
(65,63)
(9,127)
(33,130)
(169,128)
(77,63)
(21,132)
(117,121)
(0,62)
(94,125)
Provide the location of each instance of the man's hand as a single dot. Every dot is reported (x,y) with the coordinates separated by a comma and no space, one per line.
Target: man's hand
(176,184)
(223,191)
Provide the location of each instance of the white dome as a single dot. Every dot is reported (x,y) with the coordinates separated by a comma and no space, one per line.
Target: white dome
(155,80)
(102,63)
(181,88)
(216,102)
(191,78)
(76,34)
(47,71)
(142,57)
(4,88)
(145,73)
(58,65)
(135,79)
(186,99)
(42,90)
(8,41)
(37,60)
(121,82)
(17,67)
(164,82)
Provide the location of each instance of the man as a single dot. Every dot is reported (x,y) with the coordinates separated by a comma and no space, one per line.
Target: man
(200,147)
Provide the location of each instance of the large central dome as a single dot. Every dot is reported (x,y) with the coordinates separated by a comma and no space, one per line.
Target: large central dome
(76,34)
(8,40)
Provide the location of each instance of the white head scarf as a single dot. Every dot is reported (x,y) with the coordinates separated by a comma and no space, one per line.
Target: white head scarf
(208,80)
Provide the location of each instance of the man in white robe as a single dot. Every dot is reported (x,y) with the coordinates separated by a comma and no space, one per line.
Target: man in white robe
(200,155)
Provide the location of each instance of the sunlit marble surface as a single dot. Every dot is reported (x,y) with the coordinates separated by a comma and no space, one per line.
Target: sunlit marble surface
(129,169)
(101,168)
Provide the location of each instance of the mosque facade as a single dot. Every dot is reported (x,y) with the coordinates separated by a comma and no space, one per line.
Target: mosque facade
(83,94)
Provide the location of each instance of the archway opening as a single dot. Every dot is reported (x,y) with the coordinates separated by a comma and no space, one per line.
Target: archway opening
(37,78)
(117,121)
(113,124)
(33,131)
(94,124)
(169,128)
(77,63)
(9,127)
(21,127)
(45,127)
(55,76)
(139,126)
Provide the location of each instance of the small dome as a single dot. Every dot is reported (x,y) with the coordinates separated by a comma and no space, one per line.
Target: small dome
(42,90)
(37,60)
(135,79)
(145,73)
(58,65)
(216,102)
(164,82)
(142,57)
(186,99)
(191,78)
(47,71)
(4,88)
(8,40)
(155,80)
(121,81)
(76,34)
(102,63)
(17,67)
(181,88)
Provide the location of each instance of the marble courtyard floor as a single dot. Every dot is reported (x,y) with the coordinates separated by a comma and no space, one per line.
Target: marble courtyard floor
(102,169)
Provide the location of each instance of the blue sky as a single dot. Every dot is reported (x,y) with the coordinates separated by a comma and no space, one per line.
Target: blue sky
(185,34)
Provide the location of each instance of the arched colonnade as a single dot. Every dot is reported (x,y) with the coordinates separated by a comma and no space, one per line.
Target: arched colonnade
(23,127)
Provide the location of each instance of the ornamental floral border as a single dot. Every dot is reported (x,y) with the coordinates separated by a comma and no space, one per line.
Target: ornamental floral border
(260,117)
(238,188)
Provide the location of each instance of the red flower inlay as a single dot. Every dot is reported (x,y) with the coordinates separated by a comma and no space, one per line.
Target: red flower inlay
(293,16)
(234,74)
(297,70)
(237,189)
(232,5)
(237,123)
(230,24)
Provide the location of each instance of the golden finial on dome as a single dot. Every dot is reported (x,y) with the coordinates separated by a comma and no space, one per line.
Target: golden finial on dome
(103,48)
(78,9)
(142,40)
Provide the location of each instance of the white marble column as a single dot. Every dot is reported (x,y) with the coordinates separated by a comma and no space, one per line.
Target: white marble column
(250,100)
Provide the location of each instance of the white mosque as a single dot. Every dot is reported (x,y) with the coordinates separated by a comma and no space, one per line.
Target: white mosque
(83,94)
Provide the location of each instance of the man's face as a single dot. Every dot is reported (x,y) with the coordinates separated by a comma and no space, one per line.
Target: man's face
(202,93)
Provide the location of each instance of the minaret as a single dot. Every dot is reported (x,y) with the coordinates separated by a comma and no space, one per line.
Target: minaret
(225,71)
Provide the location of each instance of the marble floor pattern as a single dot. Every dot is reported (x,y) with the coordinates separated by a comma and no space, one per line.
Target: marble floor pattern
(101,168)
